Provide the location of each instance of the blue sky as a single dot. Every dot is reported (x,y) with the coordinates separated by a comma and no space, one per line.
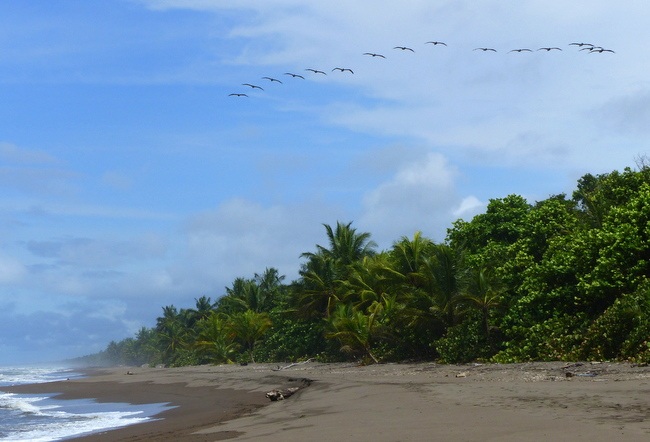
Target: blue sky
(131,180)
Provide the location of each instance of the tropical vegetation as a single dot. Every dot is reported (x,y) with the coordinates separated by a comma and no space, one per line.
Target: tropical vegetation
(566,278)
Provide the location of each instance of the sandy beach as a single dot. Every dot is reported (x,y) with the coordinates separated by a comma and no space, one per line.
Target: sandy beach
(388,402)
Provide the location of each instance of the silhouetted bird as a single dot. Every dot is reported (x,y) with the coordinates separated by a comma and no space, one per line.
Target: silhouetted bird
(580,44)
(294,75)
(237,95)
(315,71)
(435,43)
(485,49)
(372,54)
(403,48)
(549,49)
(343,70)
(521,50)
(271,79)
(252,86)
(601,50)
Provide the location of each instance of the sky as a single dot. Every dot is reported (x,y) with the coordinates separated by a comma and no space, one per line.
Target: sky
(130,178)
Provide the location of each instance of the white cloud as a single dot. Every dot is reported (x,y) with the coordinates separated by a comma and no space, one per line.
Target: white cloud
(469,207)
(419,197)
(240,238)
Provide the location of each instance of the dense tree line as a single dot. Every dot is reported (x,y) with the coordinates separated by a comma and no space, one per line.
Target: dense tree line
(563,278)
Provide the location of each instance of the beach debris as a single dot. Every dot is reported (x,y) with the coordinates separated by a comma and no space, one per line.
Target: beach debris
(278,395)
(281,394)
(461,375)
(130,373)
(292,365)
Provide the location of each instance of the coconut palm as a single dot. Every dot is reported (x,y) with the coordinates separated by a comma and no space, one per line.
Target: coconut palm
(483,292)
(248,328)
(354,329)
(317,289)
(213,342)
(409,259)
(446,278)
(346,247)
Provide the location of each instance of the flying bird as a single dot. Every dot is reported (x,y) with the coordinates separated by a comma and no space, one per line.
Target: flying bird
(271,79)
(403,48)
(485,49)
(521,50)
(601,50)
(343,70)
(237,95)
(294,75)
(435,43)
(315,71)
(580,44)
(373,55)
(549,49)
(590,48)
(252,86)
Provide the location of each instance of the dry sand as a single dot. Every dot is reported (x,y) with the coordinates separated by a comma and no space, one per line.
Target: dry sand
(388,402)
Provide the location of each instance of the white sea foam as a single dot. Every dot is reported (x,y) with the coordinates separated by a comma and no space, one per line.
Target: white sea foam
(68,425)
(46,418)
(34,375)
(22,404)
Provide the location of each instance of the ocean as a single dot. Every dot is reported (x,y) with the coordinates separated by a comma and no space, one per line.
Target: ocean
(35,418)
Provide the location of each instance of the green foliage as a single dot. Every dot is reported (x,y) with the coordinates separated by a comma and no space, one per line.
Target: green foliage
(464,342)
(622,331)
(558,279)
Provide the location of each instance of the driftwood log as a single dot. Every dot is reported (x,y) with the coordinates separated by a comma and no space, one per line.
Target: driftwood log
(278,395)
(281,394)
(292,365)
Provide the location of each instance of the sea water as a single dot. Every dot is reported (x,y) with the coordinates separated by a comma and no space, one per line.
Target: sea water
(43,417)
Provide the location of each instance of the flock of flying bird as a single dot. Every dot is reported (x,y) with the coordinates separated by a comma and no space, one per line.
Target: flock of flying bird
(588,47)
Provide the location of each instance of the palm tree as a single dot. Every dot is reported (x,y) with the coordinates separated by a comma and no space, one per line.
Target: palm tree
(248,328)
(409,258)
(346,246)
(483,292)
(245,294)
(170,314)
(367,282)
(204,308)
(446,277)
(355,329)
(213,342)
(172,338)
(270,285)
(317,290)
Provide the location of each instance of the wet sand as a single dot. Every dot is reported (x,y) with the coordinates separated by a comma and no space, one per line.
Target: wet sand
(388,402)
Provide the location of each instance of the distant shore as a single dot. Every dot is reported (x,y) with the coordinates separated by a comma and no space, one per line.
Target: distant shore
(387,402)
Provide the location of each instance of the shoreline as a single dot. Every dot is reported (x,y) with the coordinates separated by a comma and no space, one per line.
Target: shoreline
(195,394)
(384,402)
